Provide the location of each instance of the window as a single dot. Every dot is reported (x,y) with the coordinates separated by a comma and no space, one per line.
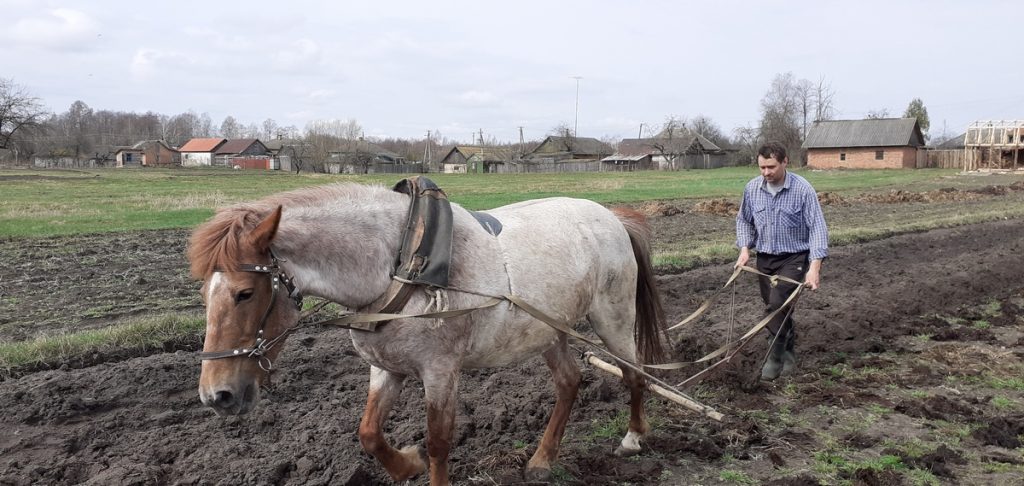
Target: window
(842,155)
(879,154)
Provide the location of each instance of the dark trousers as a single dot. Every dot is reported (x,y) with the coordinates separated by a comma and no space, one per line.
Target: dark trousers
(790,265)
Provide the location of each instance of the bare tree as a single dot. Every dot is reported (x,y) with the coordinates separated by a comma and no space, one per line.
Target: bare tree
(877,114)
(748,140)
(804,92)
(781,113)
(270,129)
(229,128)
(710,130)
(77,125)
(824,101)
(19,112)
(674,126)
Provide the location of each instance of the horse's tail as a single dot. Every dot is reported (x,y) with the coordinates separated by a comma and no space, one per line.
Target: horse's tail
(650,317)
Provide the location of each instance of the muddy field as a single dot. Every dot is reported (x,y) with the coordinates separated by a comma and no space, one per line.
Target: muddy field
(911,358)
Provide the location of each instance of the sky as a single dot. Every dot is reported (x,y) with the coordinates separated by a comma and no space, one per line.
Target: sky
(401,68)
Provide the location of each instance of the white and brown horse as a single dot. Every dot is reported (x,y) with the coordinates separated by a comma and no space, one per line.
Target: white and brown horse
(573,259)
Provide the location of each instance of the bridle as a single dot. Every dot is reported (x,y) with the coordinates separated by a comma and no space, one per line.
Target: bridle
(261,345)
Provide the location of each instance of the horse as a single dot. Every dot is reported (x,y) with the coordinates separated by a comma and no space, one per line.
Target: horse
(573,259)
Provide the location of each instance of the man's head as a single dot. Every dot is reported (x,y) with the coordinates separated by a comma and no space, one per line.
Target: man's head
(772,160)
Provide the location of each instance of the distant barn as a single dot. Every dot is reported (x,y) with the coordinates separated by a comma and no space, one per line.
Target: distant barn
(885,143)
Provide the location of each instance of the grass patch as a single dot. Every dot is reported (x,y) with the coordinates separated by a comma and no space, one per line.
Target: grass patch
(611,427)
(736,477)
(141,333)
(1003,403)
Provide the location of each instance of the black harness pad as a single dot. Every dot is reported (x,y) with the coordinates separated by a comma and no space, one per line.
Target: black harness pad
(426,253)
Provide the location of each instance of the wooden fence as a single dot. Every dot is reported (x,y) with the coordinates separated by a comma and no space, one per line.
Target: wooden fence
(941,159)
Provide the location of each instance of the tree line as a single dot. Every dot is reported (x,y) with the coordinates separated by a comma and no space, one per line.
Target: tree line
(787,110)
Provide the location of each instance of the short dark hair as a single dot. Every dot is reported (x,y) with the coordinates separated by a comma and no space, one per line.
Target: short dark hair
(772,150)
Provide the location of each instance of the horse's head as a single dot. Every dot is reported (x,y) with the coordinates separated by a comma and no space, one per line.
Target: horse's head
(248,307)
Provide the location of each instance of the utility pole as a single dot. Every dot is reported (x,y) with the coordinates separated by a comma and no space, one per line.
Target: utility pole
(426,153)
(522,145)
(640,134)
(481,137)
(576,125)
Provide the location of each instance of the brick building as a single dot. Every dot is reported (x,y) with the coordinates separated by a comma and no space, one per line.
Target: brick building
(886,143)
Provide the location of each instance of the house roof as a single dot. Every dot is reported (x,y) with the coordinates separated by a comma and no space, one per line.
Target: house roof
(956,142)
(881,132)
(202,145)
(145,143)
(687,144)
(353,146)
(487,154)
(578,145)
(236,146)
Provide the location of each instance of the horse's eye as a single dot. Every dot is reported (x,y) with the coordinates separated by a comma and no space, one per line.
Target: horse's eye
(243,295)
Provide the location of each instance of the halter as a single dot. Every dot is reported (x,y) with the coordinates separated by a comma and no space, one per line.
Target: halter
(262,345)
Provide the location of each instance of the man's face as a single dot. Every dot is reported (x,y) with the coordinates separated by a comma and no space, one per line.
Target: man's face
(772,170)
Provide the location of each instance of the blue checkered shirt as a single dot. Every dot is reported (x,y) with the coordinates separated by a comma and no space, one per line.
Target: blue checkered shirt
(791,221)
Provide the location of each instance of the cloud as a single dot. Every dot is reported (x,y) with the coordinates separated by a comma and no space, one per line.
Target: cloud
(60,29)
(477,98)
(149,63)
(300,54)
(320,94)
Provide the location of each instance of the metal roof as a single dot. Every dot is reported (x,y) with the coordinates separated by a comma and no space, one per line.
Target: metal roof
(201,145)
(881,132)
(237,146)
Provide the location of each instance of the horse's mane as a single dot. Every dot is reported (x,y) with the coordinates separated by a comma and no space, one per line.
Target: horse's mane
(216,244)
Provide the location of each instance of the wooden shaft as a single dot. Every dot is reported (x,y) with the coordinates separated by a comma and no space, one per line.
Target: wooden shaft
(669,394)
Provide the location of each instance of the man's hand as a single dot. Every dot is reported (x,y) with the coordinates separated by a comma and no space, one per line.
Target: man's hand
(813,275)
(744,257)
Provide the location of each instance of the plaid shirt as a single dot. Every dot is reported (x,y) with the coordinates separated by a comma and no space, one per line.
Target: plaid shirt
(791,221)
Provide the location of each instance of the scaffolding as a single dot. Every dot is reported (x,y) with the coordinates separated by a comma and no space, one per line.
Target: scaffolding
(994,144)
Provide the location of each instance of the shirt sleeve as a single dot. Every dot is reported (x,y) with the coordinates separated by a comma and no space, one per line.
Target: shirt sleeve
(815,220)
(746,233)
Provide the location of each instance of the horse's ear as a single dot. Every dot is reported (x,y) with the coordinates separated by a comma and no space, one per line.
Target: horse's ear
(263,233)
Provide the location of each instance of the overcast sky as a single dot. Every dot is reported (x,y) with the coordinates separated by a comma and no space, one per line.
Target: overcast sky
(402,68)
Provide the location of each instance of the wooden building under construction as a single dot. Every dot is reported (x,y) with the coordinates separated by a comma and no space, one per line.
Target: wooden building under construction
(994,144)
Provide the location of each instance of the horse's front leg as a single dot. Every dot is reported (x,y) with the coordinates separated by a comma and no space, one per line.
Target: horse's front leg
(384,389)
(566,375)
(440,385)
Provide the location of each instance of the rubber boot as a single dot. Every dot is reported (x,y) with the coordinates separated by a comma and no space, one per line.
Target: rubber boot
(789,355)
(773,364)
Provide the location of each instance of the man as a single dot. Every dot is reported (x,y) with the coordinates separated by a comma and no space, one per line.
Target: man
(780,217)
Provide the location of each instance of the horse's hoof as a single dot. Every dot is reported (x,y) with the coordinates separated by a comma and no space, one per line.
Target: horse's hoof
(624,452)
(415,463)
(537,474)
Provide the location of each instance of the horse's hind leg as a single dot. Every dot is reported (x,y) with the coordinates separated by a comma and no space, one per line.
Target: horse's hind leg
(613,321)
(384,389)
(566,375)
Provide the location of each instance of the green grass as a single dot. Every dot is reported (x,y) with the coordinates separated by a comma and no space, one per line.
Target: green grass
(141,333)
(736,477)
(56,202)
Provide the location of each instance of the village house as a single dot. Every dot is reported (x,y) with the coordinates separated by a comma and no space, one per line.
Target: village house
(148,153)
(199,151)
(363,157)
(687,151)
(243,153)
(884,143)
(473,158)
(572,148)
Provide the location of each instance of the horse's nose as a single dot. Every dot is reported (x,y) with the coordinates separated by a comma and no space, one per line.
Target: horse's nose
(223,399)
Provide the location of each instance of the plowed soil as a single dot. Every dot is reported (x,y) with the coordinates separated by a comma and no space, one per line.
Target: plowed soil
(909,372)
